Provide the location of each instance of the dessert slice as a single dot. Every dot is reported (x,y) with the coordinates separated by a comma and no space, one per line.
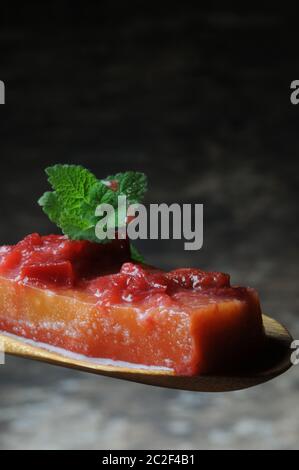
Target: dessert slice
(92,299)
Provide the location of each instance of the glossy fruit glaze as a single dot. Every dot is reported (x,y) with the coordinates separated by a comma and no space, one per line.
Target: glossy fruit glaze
(104,270)
(92,299)
(55,261)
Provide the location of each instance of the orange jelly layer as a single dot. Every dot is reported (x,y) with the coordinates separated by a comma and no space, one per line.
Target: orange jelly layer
(93,300)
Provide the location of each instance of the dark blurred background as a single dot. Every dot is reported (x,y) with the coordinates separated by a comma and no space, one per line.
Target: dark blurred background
(199,99)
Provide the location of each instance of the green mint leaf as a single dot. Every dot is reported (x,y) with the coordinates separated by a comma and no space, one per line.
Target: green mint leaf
(77,193)
(132,184)
(50,205)
(72,204)
(72,183)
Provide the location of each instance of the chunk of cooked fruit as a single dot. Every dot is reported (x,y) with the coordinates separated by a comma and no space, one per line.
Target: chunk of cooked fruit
(34,259)
(91,299)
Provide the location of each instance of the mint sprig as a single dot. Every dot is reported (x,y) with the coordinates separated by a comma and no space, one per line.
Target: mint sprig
(131,183)
(77,193)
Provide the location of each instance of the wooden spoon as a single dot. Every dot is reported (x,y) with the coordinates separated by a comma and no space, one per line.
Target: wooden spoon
(274,361)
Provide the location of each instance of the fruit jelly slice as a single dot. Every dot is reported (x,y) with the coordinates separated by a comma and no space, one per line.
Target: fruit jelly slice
(158,338)
(188,340)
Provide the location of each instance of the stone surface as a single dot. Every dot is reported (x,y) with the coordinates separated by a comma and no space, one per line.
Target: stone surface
(199,100)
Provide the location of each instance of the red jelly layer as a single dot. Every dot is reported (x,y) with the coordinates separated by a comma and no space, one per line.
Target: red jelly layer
(92,299)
